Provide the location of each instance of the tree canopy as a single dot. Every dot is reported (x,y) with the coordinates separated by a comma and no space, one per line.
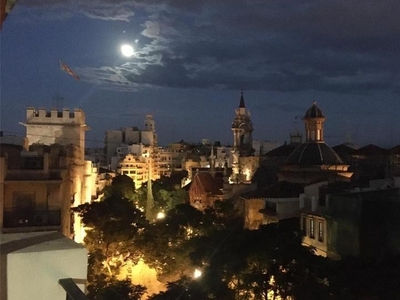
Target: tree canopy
(236,263)
(113,226)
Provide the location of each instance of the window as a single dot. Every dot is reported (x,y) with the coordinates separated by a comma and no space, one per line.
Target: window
(312,228)
(320,231)
(303,225)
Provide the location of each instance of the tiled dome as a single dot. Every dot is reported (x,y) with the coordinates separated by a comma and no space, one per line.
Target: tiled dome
(313,154)
(314,112)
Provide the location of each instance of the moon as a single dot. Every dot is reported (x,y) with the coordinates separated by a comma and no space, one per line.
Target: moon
(127,50)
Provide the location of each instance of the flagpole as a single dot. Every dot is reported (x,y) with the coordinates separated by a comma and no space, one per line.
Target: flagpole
(57,100)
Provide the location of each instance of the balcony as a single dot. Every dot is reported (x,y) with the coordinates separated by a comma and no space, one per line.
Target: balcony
(15,219)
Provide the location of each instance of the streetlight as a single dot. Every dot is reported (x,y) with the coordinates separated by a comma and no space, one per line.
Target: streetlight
(197,273)
(160,215)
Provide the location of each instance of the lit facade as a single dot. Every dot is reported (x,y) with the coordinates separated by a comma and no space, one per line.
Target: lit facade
(45,182)
(134,152)
(244,163)
(136,167)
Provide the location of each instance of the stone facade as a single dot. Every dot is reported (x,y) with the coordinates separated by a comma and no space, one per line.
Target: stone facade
(132,152)
(244,163)
(54,170)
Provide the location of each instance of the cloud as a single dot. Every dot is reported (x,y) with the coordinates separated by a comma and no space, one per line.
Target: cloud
(336,46)
(117,10)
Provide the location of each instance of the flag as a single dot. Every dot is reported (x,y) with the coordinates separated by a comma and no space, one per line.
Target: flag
(68,70)
(5,7)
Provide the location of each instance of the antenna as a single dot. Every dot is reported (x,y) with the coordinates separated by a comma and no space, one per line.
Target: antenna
(58,102)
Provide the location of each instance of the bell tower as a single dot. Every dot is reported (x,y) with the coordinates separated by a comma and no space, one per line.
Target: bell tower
(242,128)
(244,163)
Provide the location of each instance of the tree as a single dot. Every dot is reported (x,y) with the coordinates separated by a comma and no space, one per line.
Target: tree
(121,290)
(182,289)
(258,264)
(167,194)
(121,184)
(172,235)
(114,226)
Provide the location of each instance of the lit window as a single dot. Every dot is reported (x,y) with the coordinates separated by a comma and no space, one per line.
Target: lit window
(321,231)
(312,228)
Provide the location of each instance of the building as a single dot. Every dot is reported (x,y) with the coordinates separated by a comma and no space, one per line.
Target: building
(129,140)
(204,190)
(371,162)
(38,187)
(41,265)
(269,205)
(353,222)
(314,160)
(272,161)
(57,127)
(263,147)
(136,167)
(244,163)
(35,191)
(134,152)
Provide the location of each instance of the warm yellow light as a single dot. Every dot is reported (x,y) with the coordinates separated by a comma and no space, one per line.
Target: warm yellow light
(160,215)
(197,273)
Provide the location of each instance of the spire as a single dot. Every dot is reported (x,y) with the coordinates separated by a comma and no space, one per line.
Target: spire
(241,99)
(212,162)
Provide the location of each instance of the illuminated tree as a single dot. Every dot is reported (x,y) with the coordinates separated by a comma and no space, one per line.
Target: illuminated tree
(166,192)
(114,226)
(172,236)
(259,264)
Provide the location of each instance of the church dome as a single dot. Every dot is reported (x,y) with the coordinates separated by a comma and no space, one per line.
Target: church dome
(313,154)
(314,112)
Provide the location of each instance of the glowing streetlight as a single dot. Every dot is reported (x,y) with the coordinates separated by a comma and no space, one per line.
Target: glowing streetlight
(160,215)
(197,273)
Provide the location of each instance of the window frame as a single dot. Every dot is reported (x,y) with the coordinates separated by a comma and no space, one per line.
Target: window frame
(312,228)
(321,232)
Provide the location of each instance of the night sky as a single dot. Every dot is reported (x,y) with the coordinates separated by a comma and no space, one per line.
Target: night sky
(192,58)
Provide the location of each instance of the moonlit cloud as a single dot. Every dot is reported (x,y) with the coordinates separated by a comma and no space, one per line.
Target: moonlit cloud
(337,46)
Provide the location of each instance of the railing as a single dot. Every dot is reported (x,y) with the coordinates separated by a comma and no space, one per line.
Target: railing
(72,290)
(22,218)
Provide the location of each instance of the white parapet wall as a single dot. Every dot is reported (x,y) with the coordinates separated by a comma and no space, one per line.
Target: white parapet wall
(33,263)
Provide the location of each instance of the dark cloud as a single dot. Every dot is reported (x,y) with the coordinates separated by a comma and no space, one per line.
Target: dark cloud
(345,46)
(117,10)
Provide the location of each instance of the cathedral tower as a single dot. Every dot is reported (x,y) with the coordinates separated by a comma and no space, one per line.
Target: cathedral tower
(244,163)
(242,128)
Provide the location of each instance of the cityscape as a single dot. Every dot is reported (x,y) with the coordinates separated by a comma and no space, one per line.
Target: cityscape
(199,176)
